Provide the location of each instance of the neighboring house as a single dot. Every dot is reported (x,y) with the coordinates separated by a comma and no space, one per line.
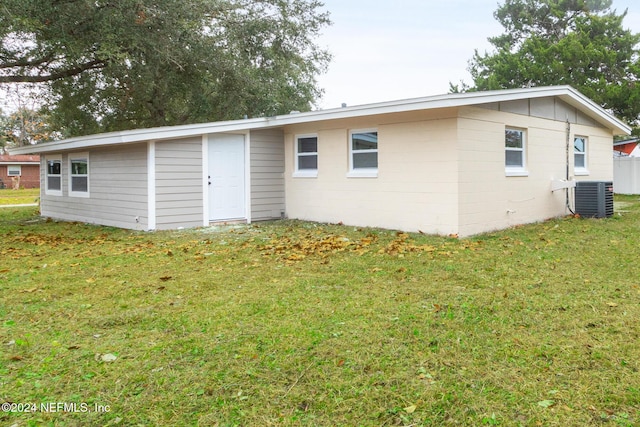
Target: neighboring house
(628,148)
(452,164)
(21,169)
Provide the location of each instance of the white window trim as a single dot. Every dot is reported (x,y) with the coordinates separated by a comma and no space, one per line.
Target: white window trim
(48,191)
(304,173)
(308,173)
(76,156)
(15,168)
(581,171)
(517,170)
(362,172)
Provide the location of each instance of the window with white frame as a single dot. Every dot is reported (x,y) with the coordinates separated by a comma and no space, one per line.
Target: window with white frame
(515,141)
(79,175)
(363,152)
(53,182)
(14,170)
(580,155)
(306,155)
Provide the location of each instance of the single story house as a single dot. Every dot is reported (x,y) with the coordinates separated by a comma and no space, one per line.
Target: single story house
(23,170)
(457,164)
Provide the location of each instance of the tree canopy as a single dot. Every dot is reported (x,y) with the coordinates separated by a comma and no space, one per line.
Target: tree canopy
(111,65)
(582,43)
(24,127)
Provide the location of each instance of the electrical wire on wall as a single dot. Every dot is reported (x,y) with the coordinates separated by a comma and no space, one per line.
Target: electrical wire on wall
(567,202)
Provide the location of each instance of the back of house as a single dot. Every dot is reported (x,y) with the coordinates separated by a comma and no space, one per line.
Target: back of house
(455,164)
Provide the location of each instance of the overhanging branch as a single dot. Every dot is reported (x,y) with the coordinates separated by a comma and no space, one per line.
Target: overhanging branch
(62,74)
(27,63)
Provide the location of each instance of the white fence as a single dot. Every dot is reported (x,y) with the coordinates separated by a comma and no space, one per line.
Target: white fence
(626,175)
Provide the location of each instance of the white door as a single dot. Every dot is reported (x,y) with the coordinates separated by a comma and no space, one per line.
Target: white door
(226,177)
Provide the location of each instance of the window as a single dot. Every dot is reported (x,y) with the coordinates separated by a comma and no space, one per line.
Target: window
(14,170)
(306,156)
(79,175)
(53,184)
(515,150)
(364,153)
(580,155)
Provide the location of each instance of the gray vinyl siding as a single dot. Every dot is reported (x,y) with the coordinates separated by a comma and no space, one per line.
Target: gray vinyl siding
(179,200)
(267,174)
(117,189)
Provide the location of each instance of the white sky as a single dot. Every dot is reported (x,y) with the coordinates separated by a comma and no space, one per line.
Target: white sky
(389,50)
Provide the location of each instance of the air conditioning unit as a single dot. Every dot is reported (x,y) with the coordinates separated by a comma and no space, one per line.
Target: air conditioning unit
(594,199)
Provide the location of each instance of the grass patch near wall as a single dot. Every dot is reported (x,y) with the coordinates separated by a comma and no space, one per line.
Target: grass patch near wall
(301,324)
(19,197)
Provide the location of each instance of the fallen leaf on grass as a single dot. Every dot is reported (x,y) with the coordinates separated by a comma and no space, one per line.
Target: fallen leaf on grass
(427,378)
(115,421)
(410,409)
(108,357)
(546,403)
(612,304)
(28,291)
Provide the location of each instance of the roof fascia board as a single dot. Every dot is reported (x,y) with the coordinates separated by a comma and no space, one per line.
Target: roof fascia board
(566,93)
(596,112)
(140,135)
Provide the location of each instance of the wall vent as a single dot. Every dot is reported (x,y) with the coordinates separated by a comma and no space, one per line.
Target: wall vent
(594,199)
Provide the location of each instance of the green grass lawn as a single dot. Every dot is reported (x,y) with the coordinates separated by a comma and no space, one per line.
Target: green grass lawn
(300,324)
(19,197)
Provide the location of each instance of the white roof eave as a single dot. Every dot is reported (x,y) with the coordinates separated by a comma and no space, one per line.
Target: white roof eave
(566,93)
